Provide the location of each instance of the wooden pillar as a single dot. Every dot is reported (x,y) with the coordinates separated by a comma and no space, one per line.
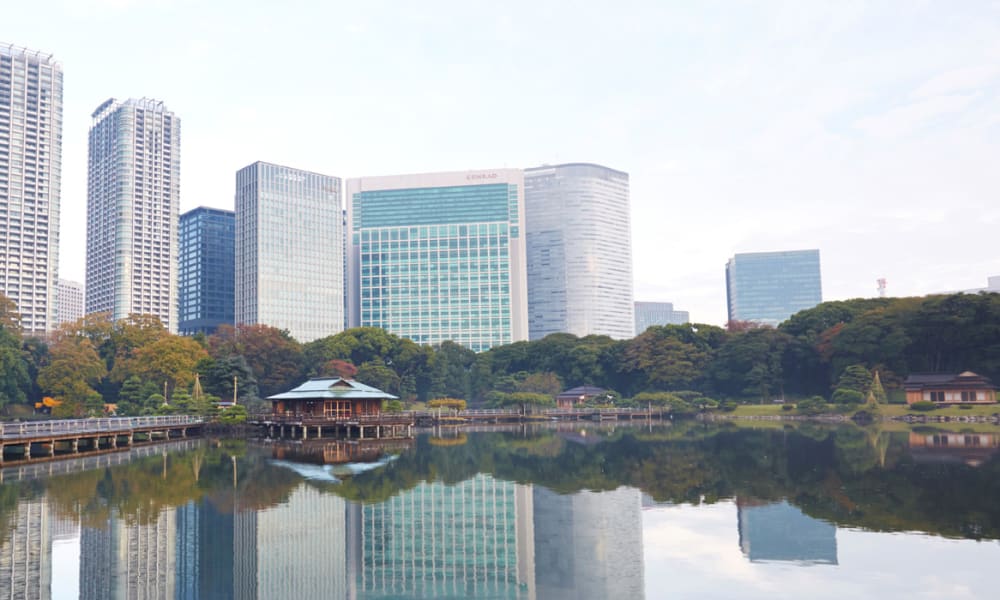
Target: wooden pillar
(74,445)
(305,432)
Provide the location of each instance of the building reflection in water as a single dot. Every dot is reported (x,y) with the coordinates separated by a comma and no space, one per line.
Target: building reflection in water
(480,538)
(468,540)
(589,544)
(778,531)
(26,551)
(972,449)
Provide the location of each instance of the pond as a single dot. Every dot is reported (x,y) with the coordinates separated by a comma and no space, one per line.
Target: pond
(563,511)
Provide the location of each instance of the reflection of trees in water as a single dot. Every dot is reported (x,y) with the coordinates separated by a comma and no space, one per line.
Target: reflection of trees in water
(848,475)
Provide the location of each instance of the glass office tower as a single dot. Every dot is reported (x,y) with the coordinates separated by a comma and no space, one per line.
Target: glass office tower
(207,270)
(31,85)
(289,251)
(648,314)
(579,244)
(133,205)
(440,256)
(769,287)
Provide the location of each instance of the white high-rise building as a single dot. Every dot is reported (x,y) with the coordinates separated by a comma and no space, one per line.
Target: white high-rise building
(69,301)
(133,205)
(289,251)
(31,86)
(579,244)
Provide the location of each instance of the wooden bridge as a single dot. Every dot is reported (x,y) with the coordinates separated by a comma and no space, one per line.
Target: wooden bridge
(25,440)
(397,425)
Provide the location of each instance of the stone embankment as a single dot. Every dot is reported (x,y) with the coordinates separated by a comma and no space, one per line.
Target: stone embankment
(922,418)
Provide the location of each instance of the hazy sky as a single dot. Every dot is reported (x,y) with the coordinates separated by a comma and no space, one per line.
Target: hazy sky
(864,129)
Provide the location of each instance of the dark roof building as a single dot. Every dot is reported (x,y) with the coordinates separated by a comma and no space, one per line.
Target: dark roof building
(949,388)
(578,395)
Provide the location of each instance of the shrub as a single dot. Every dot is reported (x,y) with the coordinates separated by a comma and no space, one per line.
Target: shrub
(394,406)
(451,403)
(847,396)
(787,407)
(965,406)
(729,405)
(812,406)
(923,406)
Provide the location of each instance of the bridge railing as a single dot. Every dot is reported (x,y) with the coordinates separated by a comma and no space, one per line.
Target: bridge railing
(32,429)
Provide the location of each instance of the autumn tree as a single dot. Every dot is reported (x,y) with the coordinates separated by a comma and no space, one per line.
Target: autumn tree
(73,371)
(274,357)
(541,383)
(170,360)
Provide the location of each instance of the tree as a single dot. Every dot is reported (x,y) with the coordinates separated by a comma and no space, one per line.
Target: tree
(541,383)
(877,391)
(857,378)
(220,375)
(522,400)
(339,368)
(15,379)
(10,319)
(73,371)
(379,376)
(171,359)
(274,357)
(751,363)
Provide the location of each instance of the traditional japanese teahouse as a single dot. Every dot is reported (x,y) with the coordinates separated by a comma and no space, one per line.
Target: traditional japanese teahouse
(331,398)
(949,388)
(579,395)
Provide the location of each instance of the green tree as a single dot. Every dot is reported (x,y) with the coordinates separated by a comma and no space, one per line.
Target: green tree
(15,379)
(857,378)
(877,391)
(274,357)
(541,383)
(379,376)
(220,375)
(525,401)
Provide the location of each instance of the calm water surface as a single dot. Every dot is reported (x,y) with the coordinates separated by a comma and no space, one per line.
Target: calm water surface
(577,512)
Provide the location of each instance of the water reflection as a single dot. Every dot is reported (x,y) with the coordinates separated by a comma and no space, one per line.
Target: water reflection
(545,514)
(778,531)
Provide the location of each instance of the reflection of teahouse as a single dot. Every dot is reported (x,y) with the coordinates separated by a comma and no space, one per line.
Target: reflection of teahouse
(972,449)
(579,395)
(948,388)
(330,397)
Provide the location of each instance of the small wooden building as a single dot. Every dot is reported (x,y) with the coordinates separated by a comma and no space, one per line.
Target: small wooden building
(948,388)
(578,395)
(331,398)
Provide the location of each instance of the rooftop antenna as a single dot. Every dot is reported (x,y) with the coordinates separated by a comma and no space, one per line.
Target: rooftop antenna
(881,286)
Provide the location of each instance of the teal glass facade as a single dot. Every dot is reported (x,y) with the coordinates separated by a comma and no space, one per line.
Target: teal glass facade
(438,263)
(769,287)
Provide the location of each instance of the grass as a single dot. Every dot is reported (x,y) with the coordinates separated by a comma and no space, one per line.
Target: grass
(886,410)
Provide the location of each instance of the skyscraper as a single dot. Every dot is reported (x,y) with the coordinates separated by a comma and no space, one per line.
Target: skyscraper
(769,287)
(648,314)
(133,201)
(30,168)
(207,270)
(69,301)
(579,248)
(439,256)
(289,250)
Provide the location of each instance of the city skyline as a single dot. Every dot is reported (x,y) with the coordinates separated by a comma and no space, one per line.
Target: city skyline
(859,144)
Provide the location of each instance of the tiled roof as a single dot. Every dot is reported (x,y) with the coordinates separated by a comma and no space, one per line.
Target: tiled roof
(583,390)
(333,388)
(965,379)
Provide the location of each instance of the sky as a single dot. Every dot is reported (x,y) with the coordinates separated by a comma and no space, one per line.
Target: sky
(869,130)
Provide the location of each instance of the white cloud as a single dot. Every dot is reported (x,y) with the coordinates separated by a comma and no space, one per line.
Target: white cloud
(958,80)
(906,119)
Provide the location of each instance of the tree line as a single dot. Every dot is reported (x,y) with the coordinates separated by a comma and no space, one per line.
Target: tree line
(136,364)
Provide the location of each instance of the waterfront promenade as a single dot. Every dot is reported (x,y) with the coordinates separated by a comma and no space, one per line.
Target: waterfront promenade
(32,439)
